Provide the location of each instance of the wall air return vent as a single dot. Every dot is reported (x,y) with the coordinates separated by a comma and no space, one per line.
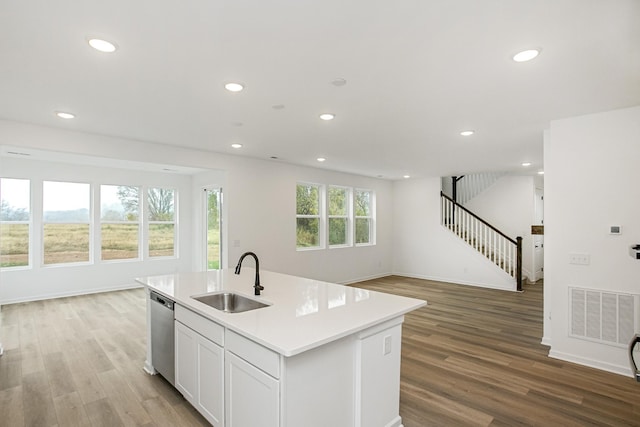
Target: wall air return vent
(603,316)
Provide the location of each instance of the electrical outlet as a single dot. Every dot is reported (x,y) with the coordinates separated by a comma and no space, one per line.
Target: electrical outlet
(579,259)
(387,345)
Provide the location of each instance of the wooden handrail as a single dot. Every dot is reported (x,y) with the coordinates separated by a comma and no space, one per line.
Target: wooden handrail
(517,242)
(478,218)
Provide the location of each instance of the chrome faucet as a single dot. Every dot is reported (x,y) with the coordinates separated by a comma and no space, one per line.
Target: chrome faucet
(257,287)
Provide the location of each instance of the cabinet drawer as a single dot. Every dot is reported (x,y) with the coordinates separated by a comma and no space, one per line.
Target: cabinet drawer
(205,327)
(259,356)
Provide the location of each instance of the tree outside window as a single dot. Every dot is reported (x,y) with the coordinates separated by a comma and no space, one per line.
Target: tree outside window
(161,216)
(308,219)
(363,216)
(119,222)
(338,216)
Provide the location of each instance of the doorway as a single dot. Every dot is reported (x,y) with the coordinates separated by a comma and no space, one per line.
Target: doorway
(538,239)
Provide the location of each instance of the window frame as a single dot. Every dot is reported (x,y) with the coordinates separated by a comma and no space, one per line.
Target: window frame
(370,217)
(28,223)
(347,217)
(320,216)
(90,223)
(149,222)
(102,222)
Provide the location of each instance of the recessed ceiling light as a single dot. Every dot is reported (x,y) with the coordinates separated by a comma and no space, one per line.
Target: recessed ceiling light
(526,55)
(406,176)
(321,159)
(467,132)
(526,164)
(338,81)
(327,116)
(540,172)
(236,145)
(64,115)
(233,87)
(102,45)
(278,107)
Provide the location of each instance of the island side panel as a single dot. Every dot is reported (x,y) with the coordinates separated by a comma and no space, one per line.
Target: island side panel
(378,358)
(318,386)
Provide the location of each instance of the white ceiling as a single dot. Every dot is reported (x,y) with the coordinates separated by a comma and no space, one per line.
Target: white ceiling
(418,72)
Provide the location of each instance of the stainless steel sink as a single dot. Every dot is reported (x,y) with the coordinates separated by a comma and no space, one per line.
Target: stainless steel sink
(230,302)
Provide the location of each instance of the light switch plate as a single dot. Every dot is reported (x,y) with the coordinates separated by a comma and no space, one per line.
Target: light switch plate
(579,259)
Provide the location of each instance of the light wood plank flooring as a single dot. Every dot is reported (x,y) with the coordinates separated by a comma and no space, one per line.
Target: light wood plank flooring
(471,357)
(78,362)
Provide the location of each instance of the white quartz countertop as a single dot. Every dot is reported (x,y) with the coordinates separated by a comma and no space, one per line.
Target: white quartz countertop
(303,313)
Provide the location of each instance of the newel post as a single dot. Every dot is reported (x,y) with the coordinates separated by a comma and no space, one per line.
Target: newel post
(519,263)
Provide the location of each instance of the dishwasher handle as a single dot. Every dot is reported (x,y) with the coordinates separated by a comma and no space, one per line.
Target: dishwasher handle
(161,300)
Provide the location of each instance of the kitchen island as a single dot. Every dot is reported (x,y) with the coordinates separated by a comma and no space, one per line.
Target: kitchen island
(318,354)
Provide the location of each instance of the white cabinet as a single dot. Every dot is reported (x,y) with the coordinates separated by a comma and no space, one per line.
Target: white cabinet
(200,364)
(186,361)
(252,395)
(252,383)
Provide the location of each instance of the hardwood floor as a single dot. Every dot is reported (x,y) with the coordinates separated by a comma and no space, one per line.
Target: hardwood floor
(471,357)
(78,362)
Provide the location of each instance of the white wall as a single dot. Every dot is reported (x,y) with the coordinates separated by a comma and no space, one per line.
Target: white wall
(425,249)
(259,205)
(591,183)
(40,282)
(508,205)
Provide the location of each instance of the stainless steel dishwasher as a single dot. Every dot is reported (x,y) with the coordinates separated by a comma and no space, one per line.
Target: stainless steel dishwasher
(162,336)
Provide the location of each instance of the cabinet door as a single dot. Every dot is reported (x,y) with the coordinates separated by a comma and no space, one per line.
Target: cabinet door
(211,381)
(253,397)
(186,353)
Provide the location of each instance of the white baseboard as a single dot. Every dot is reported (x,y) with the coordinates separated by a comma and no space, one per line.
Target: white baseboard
(73,293)
(457,282)
(362,279)
(596,364)
(546,341)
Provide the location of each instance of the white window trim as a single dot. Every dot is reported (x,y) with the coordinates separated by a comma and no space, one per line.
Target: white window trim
(29,223)
(371,217)
(348,217)
(90,223)
(321,218)
(100,221)
(149,223)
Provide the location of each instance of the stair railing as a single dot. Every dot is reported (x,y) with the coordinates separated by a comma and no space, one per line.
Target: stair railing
(499,248)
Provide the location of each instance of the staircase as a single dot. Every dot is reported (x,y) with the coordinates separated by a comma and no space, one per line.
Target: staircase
(469,186)
(502,250)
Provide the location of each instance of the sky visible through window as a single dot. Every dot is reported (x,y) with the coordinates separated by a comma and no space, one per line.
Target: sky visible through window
(64,196)
(58,196)
(15,192)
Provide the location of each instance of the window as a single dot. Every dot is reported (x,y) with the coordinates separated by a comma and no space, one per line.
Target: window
(15,220)
(119,222)
(161,216)
(308,216)
(66,222)
(214,233)
(339,213)
(363,201)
